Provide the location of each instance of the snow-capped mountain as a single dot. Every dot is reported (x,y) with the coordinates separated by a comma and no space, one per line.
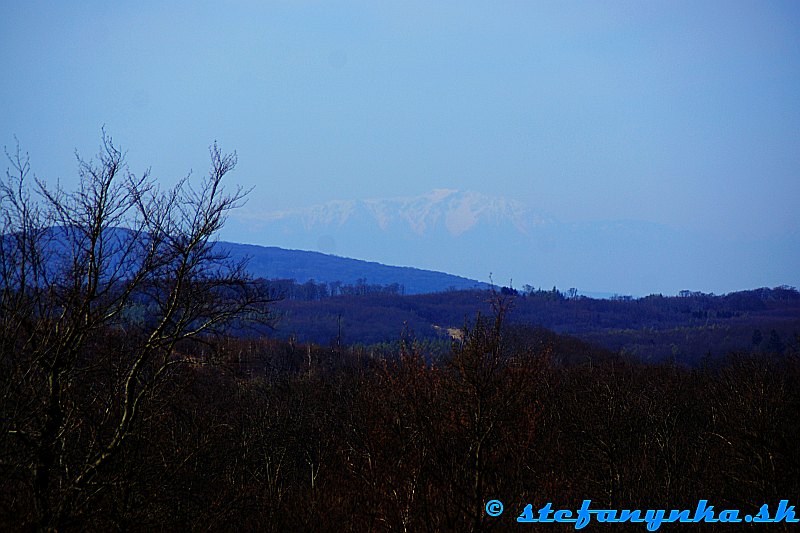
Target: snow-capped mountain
(454,211)
(438,230)
(491,237)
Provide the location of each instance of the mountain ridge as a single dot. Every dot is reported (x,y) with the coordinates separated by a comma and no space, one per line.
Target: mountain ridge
(496,238)
(457,210)
(272,262)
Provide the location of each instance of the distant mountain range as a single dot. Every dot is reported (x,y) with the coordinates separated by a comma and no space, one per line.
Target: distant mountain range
(449,239)
(478,236)
(453,211)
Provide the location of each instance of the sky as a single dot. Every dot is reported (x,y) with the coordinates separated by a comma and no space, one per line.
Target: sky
(681,113)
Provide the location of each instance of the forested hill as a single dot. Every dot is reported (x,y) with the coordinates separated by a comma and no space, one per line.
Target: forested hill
(686,327)
(273,263)
(269,262)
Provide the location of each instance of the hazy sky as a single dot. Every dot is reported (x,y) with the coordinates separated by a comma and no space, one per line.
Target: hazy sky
(681,113)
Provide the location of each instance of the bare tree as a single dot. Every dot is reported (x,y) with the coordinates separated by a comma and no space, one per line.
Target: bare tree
(99,287)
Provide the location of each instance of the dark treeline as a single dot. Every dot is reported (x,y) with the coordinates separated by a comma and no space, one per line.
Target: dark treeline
(268,435)
(699,304)
(686,328)
(311,290)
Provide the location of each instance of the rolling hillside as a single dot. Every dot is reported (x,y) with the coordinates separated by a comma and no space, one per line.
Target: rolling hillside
(278,263)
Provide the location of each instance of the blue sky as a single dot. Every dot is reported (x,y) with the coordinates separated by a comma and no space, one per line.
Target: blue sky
(681,113)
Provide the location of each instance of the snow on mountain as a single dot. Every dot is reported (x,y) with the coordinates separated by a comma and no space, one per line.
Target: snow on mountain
(453,210)
(481,237)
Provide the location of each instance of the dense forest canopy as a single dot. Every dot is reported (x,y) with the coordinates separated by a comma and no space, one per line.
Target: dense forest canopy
(686,327)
